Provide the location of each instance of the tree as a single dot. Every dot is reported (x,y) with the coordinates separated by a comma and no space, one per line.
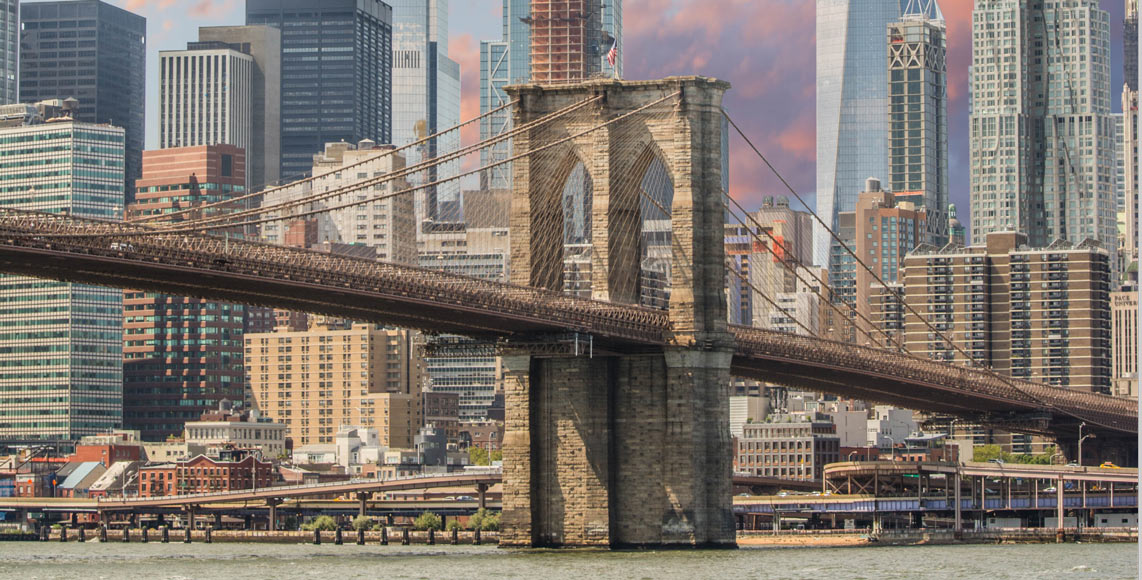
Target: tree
(362,523)
(496,455)
(453,524)
(323,523)
(478,456)
(483,520)
(985,453)
(491,523)
(427,521)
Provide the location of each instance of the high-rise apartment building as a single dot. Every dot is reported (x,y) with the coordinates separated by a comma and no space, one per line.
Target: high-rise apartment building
(336,68)
(1042,136)
(386,225)
(96,53)
(852,104)
(1130,45)
(9,51)
(224,104)
(774,242)
(918,113)
(319,380)
(570,39)
(61,347)
(470,370)
(426,97)
(181,356)
(206,97)
(1041,314)
(1128,206)
(881,230)
(1124,325)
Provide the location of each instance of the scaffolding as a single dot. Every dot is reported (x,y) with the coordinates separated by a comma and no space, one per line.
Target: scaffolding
(566,36)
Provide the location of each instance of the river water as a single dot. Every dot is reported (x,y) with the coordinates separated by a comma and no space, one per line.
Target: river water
(93,561)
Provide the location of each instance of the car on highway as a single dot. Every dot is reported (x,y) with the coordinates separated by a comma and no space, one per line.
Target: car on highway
(1109,465)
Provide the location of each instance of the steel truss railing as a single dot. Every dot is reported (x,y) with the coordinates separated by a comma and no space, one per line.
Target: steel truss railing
(212,253)
(630,324)
(1112,412)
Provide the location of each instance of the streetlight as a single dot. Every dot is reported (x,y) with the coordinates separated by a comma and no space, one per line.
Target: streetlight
(851,453)
(1081,439)
(891,446)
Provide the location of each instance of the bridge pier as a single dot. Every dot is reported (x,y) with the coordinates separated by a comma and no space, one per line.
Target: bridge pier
(628,448)
(482,495)
(272,518)
(618,450)
(363,498)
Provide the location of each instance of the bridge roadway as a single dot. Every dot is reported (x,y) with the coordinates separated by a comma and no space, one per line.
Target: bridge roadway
(130,256)
(471,481)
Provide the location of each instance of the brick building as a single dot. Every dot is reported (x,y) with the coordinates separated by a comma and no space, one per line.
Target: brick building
(231,471)
(182,355)
(1041,314)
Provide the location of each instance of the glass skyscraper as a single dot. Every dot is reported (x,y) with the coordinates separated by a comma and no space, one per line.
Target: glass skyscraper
(918,115)
(95,52)
(61,345)
(1042,137)
(9,50)
(852,104)
(336,74)
(426,95)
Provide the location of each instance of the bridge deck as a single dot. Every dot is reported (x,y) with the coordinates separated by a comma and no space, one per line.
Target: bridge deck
(129,256)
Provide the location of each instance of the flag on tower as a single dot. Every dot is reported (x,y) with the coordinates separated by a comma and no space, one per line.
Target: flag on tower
(613,54)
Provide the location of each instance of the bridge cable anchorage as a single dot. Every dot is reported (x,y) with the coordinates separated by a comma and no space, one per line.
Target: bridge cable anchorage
(984,368)
(388,177)
(308,178)
(781,258)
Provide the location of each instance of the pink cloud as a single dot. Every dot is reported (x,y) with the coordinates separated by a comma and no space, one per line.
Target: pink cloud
(211,9)
(465,50)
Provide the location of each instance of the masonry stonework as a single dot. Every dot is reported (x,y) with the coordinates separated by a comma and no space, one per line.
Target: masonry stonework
(622,449)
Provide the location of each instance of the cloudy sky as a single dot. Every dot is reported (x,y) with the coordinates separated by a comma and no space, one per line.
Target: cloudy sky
(764,47)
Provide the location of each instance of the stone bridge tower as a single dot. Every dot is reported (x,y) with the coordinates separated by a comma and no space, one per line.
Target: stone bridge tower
(622,448)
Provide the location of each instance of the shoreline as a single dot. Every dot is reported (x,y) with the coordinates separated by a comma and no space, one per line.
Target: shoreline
(759,539)
(935,538)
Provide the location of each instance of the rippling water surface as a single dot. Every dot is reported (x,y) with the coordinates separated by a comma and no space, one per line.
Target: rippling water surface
(92,561)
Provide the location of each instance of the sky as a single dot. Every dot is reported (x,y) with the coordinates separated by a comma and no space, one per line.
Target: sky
(765,48)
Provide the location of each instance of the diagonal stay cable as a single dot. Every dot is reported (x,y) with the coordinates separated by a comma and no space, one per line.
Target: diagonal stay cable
(389,177)
(984,368)
(233,200)
(198,229)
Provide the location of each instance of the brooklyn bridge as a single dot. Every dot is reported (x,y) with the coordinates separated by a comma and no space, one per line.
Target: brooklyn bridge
(617,411)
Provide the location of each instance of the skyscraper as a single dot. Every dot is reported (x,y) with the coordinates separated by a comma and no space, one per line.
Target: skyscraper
(1130,45)
(336,74)
(205,97)
(1042,136)
(181,355)
(61,349)
(263,44)
(106,72)
(1128,136)
(426,94)
(918,113)
(9,51)
(570,39)
(509,61)
(852,104)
